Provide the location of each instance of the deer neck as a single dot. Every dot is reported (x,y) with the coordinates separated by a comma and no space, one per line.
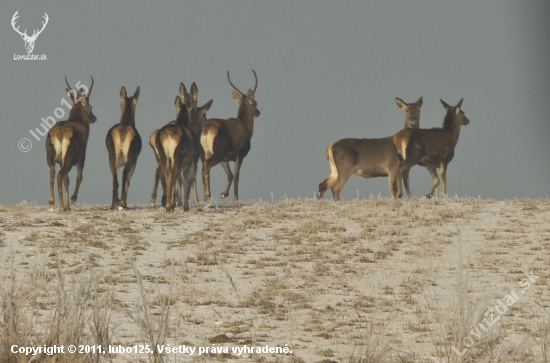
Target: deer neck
(452,127)
(77,114)
(127,117)
(183,120)
(246,116)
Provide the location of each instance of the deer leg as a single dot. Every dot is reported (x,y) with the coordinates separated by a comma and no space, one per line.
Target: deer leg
(322,191)
(114,172)
(406,182)
(443,176)
(126,176)
(433,174)
(186,189)
(225,166)
(404,167)
(79,169)
(178,189)
(60,181)
(63,178)
(52,180)
(338,185)
(158,171)
(67,202)
(194,181)
(170,179)
(163,184)
(238,164)
(392,184)
(206,180)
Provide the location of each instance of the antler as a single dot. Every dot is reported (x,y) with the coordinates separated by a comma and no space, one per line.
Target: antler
(256,78)
(91,86)
(232,85)
(67,83)
(35,34)
(15,17)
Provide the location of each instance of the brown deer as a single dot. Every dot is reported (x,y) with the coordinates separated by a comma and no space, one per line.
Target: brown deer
(124,146)
(198,118)
(176,151)
(368,158)
(431,148)
(229,140)
(66,145)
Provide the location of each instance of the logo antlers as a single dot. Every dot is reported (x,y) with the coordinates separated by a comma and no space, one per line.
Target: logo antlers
(29,41)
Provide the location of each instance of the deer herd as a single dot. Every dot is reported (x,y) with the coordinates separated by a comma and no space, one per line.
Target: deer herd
(180,144)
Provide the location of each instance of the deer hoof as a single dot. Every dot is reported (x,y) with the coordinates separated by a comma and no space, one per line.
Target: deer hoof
(224,194)
(121,207)
(427,196)
(73,200)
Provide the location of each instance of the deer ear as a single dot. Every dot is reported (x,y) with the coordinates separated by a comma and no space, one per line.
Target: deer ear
(70,95)
(400,103)
(420,102)
(122,94)
(250,95)
(183,90)
(459,104)
(178,103)
(204,108)
(194,91)
(207,105)
(23,36)
(236,96)
(444,104)
(136,95)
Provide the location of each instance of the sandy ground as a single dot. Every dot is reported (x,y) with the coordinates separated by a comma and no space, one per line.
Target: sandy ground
(354,281)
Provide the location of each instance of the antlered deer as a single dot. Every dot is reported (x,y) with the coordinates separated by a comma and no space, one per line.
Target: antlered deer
(229,140)
(176,150)
(124,146)
(431,148)
(198,118)
(368,158)
(66,145)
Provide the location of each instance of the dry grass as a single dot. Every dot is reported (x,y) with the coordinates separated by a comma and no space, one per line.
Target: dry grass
(362,281)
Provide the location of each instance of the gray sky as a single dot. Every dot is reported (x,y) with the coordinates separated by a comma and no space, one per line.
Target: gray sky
(326,69)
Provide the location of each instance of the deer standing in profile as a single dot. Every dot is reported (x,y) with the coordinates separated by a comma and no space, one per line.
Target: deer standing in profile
(198,118)
(29,41)
(66,145)
(431,148)
(176,151)
(228,140)
(124,146)
(368,158)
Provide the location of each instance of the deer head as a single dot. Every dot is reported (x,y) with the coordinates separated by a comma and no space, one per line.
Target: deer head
(29,41)
(249,97)
(80,99)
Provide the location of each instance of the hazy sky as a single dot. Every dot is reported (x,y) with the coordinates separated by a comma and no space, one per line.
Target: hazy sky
(326,69)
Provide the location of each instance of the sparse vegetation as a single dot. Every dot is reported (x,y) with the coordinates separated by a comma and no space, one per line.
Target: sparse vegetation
(362,281)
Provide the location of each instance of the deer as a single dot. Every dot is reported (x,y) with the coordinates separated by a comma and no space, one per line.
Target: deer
(29,41)
(431,148)
(225,140)
(66,145)
(124,146)
(176,152)
(198,118)
(368,158)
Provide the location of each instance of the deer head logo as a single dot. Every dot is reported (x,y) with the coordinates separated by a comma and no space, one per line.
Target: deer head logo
(29,41)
